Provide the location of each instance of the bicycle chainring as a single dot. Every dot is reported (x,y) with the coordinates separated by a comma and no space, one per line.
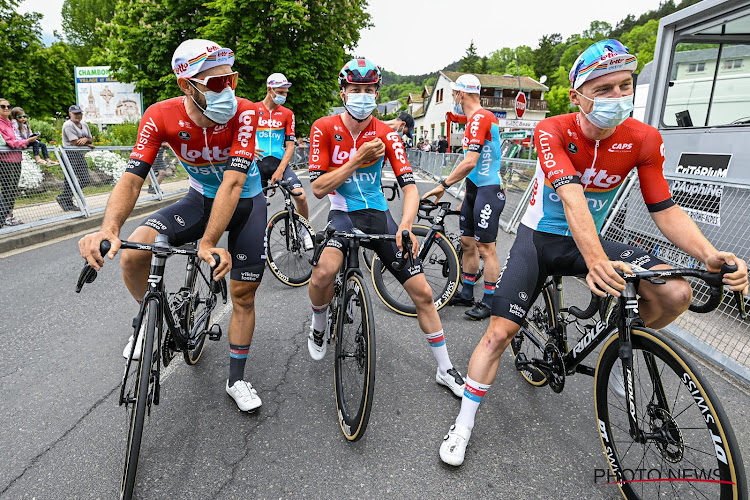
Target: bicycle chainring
(554,359)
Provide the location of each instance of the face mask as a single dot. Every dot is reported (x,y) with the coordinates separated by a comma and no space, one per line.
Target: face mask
(457,108)
(360,106)
(278,98)
(609,112)
(220,106)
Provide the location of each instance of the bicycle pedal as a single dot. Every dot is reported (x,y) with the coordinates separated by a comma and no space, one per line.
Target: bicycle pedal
(215,332)
(521,361)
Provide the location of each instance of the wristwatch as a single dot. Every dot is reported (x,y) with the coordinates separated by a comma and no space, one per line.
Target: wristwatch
(443,183)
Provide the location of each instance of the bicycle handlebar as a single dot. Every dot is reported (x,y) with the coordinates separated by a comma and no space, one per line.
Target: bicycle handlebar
(89,274)
(284,185)
(427,206)
(713,280)
(322,238)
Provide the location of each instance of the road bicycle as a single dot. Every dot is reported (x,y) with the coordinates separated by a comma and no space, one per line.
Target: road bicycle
(289,240)
(367,254)
(655,412)
(187,316)
(351,328)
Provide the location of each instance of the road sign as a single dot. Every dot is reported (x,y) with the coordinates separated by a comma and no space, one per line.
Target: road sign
(506,123)
(500,114)
(520,104)
(517,134)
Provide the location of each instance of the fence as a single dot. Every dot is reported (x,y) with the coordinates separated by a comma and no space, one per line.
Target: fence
(79,186)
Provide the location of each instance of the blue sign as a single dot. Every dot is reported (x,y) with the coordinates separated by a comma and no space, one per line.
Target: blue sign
(500,114)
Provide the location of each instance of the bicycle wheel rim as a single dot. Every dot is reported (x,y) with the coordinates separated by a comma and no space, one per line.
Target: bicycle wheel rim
(538,320)
(354,366)
(441,269)
(137,410)
(288,259)
(701,460)
(201,291)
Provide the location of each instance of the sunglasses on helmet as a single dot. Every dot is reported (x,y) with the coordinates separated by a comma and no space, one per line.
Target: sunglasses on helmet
(354,76)
(217,83)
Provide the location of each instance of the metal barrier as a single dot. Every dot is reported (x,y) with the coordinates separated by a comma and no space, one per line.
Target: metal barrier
(301,158)
(722,211)
(79,186)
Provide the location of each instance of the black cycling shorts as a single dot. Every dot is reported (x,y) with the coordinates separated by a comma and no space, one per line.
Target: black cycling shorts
(480,212)
(373,222)
(536,255)
(268,165)
(186,221)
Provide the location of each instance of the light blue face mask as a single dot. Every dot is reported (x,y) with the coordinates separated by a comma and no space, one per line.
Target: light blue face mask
(361,105)
(609,112)
(457,108)
(220,106)
(278,98)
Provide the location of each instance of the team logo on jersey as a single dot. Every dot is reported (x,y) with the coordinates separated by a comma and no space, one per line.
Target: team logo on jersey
(340,157)
(626,254)
(599,178)
(338,137)
(500,195)
(572,134)
(241,256)
(523,296)
(245,132)
(220,127)
(371,133)
(179,220)
(620,148)
(182,134)
(572,148)
(184,124)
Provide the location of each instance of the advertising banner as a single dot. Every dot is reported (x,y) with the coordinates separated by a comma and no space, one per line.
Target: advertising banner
(103,99)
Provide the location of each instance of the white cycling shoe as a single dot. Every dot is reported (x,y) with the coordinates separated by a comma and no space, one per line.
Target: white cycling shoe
(138,344)
(317,351)
(453,449)
(452,380)
(244,395)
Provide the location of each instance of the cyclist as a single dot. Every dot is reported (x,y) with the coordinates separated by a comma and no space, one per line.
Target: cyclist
(485,197)
(275,139)
(403,124)
(212,134)
(346,156)
(583,158)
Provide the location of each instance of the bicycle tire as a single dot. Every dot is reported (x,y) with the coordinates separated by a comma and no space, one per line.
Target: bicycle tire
(288,260)
(137,410)
(367,255)
(440,267)
(354,365)
(539,320)
(695,412)
(200,296)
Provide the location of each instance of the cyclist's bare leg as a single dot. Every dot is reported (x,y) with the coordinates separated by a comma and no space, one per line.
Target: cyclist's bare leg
(242,321)
(488,251)
(421,294)
(135,264)
(321,282)
(659,305)
(470,257)
(301,203)
(486,356)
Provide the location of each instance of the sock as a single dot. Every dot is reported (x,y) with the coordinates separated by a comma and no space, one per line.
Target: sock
(440,351)
(237,358)
(473,394)
(489,292)
(467,290)
(320,317)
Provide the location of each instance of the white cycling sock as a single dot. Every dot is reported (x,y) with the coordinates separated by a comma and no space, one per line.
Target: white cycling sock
(473,394)
(320,315)
(440,351)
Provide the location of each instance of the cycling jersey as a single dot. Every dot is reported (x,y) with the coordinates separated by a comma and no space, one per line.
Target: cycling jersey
(482,135)
(566,155)
(204,152)
(275,128)
(332,145)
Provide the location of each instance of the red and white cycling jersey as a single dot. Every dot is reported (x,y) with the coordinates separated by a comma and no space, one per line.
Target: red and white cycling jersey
(566,155)
(204,152)
(275,129)
(332,145)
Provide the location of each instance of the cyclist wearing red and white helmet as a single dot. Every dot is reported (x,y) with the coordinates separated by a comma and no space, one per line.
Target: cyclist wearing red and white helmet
(346,157)
(583,159)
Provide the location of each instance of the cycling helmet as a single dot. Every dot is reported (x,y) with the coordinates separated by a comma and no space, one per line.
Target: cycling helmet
(605,56)
(359,71)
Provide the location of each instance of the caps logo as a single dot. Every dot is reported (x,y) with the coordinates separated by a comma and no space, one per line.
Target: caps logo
(370,133)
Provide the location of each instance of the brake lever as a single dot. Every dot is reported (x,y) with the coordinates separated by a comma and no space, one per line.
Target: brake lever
(406,255)
(88,273)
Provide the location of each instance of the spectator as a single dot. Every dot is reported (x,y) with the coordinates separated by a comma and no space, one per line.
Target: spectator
(75,132)
(442,145)
(159,167)
(426,146)
(20,121)
(10,166)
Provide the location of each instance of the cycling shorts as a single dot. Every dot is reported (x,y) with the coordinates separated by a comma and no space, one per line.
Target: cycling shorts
(186,221)
(536,255)
(268,165)
(373,222)
(480,212)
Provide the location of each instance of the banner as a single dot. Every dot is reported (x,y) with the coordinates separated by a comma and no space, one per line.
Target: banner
(701,200)
(103,99)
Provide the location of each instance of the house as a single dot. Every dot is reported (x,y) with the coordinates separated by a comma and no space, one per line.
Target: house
(497,95)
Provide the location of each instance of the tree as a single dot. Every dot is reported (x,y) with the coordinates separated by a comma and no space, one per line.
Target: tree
(79,21)
(546,57)
(470,62)
(558,100)
(598,30)
(641,41)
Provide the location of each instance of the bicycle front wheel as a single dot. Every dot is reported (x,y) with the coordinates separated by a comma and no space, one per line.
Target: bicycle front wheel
(441,269)
(354,368)
(290,251)
(689,449)
(198,309)
(138,400)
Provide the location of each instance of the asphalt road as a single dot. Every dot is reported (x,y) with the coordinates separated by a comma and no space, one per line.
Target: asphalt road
(63,435)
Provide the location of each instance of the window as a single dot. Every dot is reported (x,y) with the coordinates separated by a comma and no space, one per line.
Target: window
(439,96)
(700,96)
(442,128)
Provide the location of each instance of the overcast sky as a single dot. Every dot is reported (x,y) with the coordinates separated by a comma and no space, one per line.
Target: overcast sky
(420,36)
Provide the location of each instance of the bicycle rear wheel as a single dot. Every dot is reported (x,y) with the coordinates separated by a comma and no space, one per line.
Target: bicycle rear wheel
(138,399)
(534,333)
(690,450)
(287,256)
(354,367)
(440,267)
(198,309)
